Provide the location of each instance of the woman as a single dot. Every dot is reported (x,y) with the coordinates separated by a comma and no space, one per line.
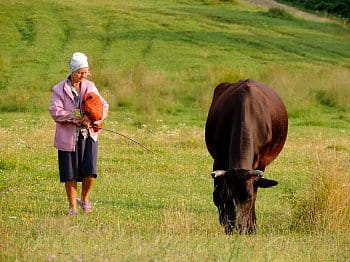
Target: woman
(75,138)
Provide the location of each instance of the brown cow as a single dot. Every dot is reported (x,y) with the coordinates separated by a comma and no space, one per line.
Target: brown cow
(245,131)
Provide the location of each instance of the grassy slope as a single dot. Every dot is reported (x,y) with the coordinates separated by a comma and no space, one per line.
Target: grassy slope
(164,58)
(176,51)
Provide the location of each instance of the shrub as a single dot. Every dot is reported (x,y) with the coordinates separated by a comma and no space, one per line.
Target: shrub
(276,12)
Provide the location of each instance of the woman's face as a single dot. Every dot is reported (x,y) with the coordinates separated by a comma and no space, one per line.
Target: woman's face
(79,75)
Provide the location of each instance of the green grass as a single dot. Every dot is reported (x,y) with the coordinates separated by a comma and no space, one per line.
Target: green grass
(159,207)
(157,63)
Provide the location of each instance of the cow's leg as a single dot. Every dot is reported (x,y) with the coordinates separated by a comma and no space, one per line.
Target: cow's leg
(217,194)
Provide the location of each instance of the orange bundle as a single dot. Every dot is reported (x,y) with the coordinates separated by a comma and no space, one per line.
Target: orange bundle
(93,108)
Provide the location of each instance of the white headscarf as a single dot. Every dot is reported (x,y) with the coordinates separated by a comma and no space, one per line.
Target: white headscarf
(78,60)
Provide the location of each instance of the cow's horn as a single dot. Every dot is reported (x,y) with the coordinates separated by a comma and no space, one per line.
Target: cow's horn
(218,173)
(258,173)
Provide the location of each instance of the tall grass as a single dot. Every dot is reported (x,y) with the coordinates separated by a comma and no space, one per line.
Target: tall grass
(312,91)
(325,204)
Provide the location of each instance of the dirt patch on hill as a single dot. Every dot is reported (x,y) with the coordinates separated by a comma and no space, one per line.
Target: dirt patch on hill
(289,9)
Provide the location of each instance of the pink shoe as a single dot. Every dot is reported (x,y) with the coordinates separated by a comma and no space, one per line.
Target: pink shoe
(86,206)
(72,212)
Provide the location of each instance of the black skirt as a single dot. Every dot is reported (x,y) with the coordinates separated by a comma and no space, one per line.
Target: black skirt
(81,163)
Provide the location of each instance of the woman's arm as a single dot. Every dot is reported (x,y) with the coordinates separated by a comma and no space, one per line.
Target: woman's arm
(57,110)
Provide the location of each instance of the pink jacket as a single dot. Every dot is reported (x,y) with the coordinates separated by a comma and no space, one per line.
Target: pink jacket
(61,107)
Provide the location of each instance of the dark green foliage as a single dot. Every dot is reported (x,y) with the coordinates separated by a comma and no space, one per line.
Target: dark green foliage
(325,98)
(279,13)
(4,165)
(338,7)
(26,30)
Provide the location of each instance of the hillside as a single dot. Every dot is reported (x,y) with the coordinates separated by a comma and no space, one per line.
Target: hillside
(177,51)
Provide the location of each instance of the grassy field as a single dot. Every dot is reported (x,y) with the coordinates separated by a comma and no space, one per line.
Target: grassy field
(157,63)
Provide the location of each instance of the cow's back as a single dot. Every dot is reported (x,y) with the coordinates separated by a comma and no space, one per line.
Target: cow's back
(246,126)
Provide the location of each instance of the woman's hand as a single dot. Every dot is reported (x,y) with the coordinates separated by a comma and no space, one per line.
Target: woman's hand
(76,121)
(76,117)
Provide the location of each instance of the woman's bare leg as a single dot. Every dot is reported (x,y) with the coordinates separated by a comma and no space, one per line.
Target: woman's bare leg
(71,190)
(87,184)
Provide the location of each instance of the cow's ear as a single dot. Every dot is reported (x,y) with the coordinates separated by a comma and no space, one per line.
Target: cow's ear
(265,183)
(218,173)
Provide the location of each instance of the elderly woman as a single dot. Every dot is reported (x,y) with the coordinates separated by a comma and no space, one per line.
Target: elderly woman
(75,138)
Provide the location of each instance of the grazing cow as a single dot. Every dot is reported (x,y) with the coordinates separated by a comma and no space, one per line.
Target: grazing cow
(245,131)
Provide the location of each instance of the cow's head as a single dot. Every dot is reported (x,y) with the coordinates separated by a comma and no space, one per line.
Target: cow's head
(235,194)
